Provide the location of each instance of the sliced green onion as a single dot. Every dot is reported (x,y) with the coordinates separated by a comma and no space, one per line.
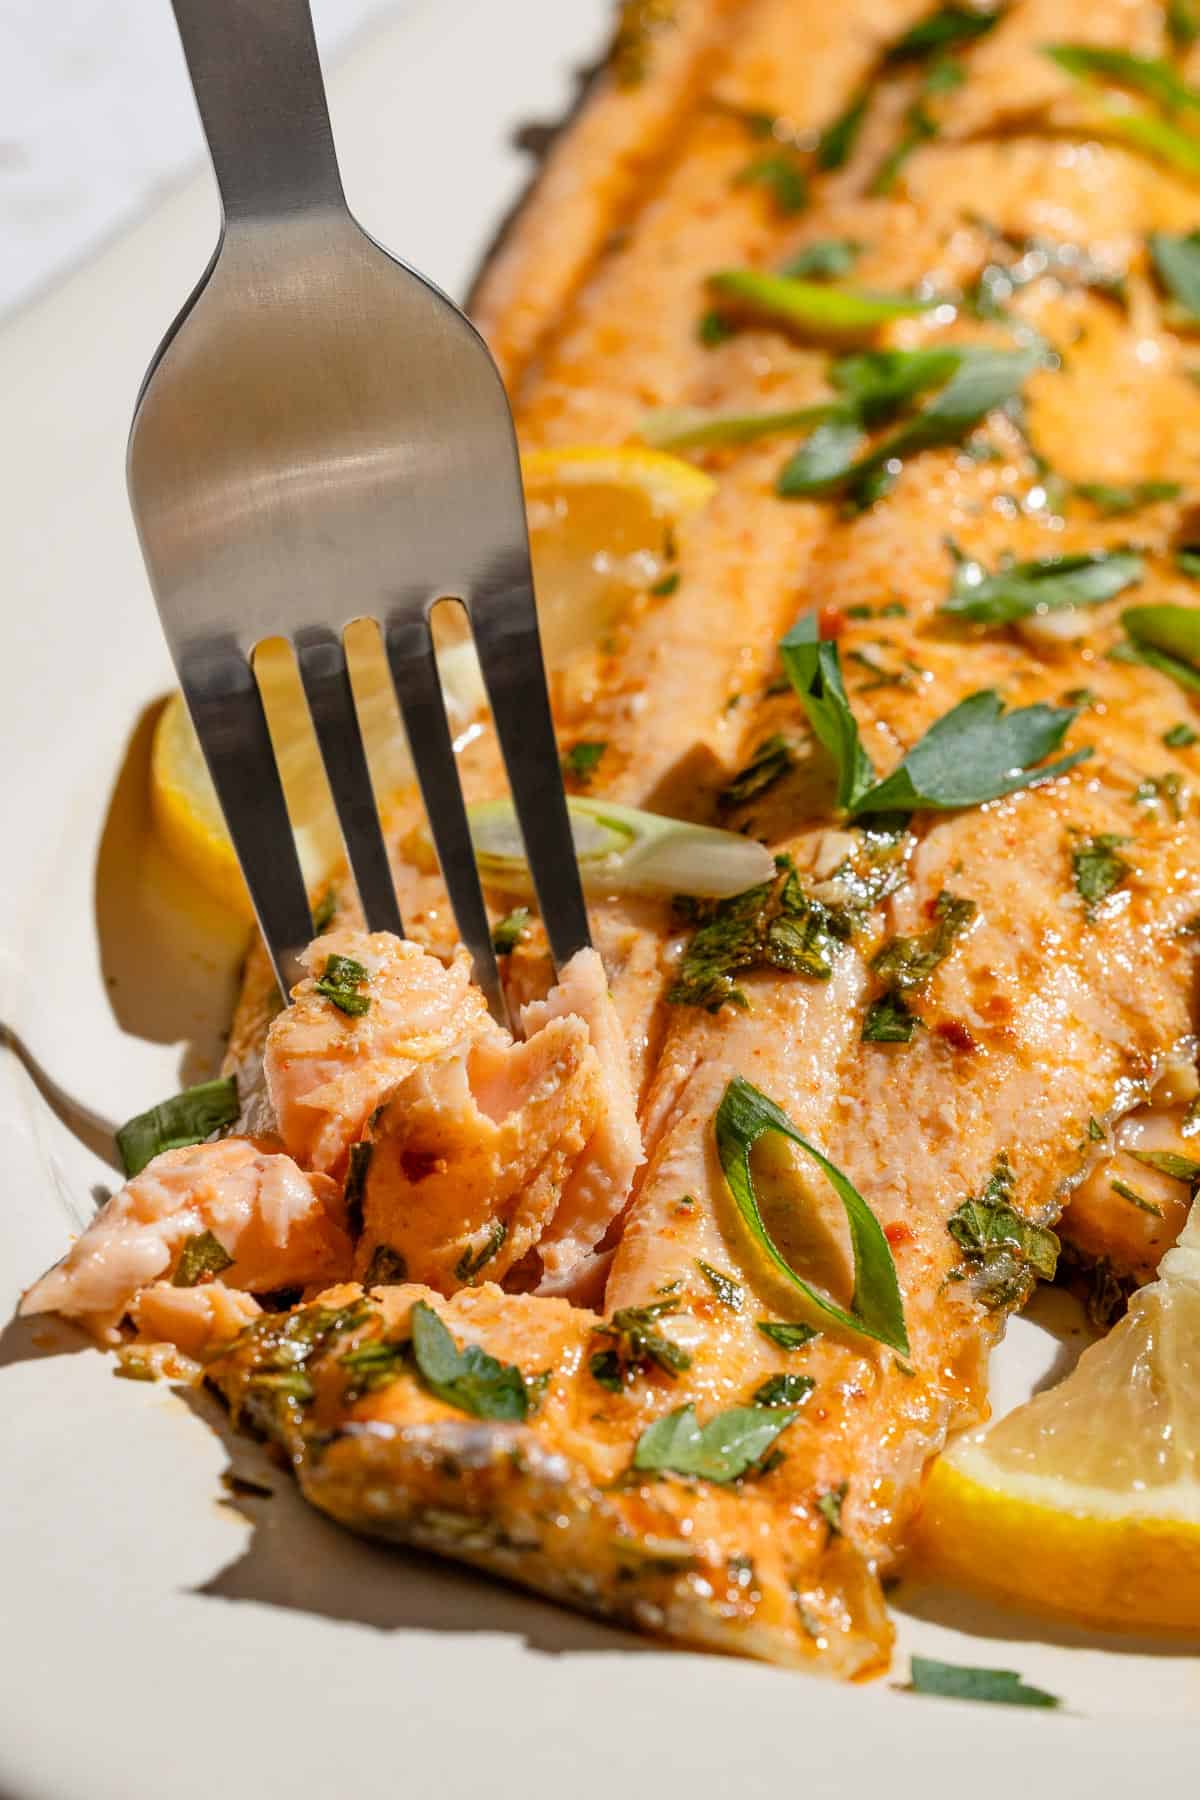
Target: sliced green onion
(876,1310)
(816,307)
(623,850)
(186,1118)
(694,427)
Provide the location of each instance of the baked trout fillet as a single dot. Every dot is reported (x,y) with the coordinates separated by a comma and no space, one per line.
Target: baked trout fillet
(663,1303)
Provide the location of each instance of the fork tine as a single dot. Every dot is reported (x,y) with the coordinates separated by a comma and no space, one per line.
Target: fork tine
(322,660)
(504,621)
(419,692)
(227,711)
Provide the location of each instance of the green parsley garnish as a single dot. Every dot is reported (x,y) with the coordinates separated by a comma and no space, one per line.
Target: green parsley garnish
(339,984)
(1019,590)
(202,1256)
(1004,1252)
(781,176)
(325,911)
(829,1505)
(1180,737)
(1134,1198)
(728,1446)
(769,764)
(824,260)
(1097,868)
(510,931)
(1114,501)
(728,1291)
(784,1390)
(998,1687)
(472,1261)
(469,1379)
(775,925)
(815,308)
(635,1344)
(835,146)
(387,1268)
(581,761)
(1169,1162)
(906,963)
(187,1118)
(876,1309)
(787,1336)
(356,1183)
(889,1020)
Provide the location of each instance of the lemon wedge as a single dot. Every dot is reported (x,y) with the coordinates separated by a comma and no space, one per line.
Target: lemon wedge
(1085,1501)
(602,525)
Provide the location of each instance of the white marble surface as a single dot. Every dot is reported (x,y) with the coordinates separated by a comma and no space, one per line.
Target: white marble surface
(96,118)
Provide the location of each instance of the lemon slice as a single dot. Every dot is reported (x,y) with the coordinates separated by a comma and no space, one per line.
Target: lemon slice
(1085,1501)
(602,527)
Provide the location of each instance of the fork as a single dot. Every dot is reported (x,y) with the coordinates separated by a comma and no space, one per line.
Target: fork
(322,436)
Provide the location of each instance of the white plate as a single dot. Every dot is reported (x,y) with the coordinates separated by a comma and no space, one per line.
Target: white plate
(158,1640)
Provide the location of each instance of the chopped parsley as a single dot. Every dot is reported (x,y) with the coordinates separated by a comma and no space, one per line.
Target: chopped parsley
(1177,264)
(471,1261)
(339,983)
(713,328)
(635,1344)
(905,964)
(187,1118)
(889,1020)
(581,761)
(1004,1253)
(325,911)
(1169,1162)
(666,586)
(387,1268)
(784,1390)
(1098,868)
(775,925)
(769,764)
(1180,737)
(998,1687)
(829,1505)
(781,176)
(1019,590)
(510,931)
(1115,500)
(728,1291)
(728,1446)
(202,1258)
(785,1335)
(356,1184)
(375,1363)
(469,1379)
(1134,1198)
(825,260)
(835,146)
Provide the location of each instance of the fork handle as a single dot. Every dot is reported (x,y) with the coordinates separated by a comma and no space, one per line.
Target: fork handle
(257,79)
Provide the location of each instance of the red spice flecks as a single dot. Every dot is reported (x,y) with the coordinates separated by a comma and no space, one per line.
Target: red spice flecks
(898,1233)
(955,1034)
(831,622)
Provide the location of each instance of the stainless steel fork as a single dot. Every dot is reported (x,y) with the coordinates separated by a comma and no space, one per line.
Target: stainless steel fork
(322,437)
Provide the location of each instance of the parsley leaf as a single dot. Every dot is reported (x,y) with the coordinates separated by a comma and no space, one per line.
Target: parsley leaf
(824,460)
(889,1020)
(636,1343)
(813,667)
(510,931)
(1097,868)
(906,963)
(356,1182)
(469,1379)
(770,762)
(1004,1252)
(339,984)
(201,1255)
(1047,584)
(825,260)
(472,1261)
(974,753)
(880,382)
(726,1447)
(186,1118)
(781,176)
(784,1390)
(1180,737)
(386,1268)
(785,1335)
(1000,1687)
(581,761)
(835,146)
(947,28)
(727,1290)
(1134,1198)
(1169,1162)
(774,925)
(876,1309)
(1183,22)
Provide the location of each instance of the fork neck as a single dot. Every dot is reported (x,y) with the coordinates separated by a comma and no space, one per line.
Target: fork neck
(257,79)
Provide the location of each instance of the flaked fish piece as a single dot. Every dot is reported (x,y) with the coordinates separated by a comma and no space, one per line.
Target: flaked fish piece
(274,1226)
(196,1320)
(506,1148)
(549,1500)
(327,1069)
